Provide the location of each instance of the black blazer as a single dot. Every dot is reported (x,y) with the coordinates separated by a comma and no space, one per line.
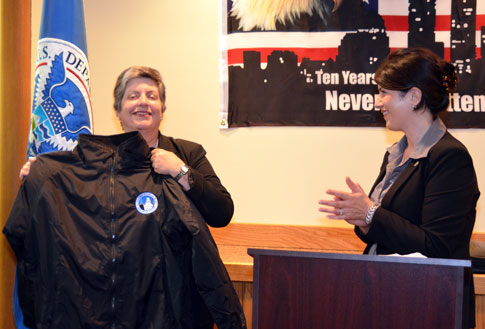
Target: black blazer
(430,208)
(207,192)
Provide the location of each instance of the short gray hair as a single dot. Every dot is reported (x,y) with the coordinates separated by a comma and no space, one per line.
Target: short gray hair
(137,72)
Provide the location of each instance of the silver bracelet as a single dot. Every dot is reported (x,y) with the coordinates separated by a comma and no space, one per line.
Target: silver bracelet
(370,213)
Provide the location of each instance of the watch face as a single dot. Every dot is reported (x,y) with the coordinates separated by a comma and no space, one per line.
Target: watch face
(183,171)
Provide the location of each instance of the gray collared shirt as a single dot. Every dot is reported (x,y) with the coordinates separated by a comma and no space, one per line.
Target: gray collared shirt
(396,164)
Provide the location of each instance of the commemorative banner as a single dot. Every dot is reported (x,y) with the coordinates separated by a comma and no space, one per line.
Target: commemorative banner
(312,62)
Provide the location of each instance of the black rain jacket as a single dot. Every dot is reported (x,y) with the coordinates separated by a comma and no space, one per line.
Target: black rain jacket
(88,258)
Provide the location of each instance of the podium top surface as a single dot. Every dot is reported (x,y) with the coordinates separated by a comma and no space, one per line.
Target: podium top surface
(353,257)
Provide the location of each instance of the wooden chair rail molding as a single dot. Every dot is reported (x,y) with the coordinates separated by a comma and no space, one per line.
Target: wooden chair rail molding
(234,240)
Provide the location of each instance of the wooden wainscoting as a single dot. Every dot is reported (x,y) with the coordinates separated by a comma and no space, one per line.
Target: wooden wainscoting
(234,240)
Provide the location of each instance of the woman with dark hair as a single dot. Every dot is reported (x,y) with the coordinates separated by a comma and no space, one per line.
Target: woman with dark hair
(424,198)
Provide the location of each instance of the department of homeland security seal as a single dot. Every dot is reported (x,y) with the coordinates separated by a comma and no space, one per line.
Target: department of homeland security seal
(146,203)
(62,106)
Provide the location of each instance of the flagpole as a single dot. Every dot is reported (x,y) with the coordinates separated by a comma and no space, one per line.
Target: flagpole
(61,104)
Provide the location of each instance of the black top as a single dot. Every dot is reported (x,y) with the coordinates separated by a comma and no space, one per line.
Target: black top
(207,192)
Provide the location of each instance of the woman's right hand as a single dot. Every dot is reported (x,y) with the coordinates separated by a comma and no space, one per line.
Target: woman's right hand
(350,206)
(26,167)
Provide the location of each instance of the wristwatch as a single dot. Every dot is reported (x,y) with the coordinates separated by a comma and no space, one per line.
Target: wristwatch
(183,171)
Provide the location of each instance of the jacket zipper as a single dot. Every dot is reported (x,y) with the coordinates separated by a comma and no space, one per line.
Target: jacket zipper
(113,239)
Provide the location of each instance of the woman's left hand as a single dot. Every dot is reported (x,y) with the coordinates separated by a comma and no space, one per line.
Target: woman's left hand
(165,162)
(350,206)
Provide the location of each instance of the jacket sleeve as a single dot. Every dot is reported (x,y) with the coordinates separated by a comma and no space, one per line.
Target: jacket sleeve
(18,223)
(209,273)
(19,233)
(207,192)
(449,194)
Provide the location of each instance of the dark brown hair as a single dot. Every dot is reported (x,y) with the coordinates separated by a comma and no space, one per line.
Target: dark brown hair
(404,69)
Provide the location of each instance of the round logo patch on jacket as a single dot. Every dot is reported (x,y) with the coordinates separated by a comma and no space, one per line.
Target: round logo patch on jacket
(146,203)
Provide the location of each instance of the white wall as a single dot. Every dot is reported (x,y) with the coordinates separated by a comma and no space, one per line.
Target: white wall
(276,175)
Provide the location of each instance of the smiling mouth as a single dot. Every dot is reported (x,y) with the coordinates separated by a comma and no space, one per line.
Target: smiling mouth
(141,113)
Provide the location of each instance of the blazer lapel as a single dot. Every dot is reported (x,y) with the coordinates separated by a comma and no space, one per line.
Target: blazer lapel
(401,180)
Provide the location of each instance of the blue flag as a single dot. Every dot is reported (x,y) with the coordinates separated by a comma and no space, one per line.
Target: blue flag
(61,107)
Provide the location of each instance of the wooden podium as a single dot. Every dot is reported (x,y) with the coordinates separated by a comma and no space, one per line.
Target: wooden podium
(306,290)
